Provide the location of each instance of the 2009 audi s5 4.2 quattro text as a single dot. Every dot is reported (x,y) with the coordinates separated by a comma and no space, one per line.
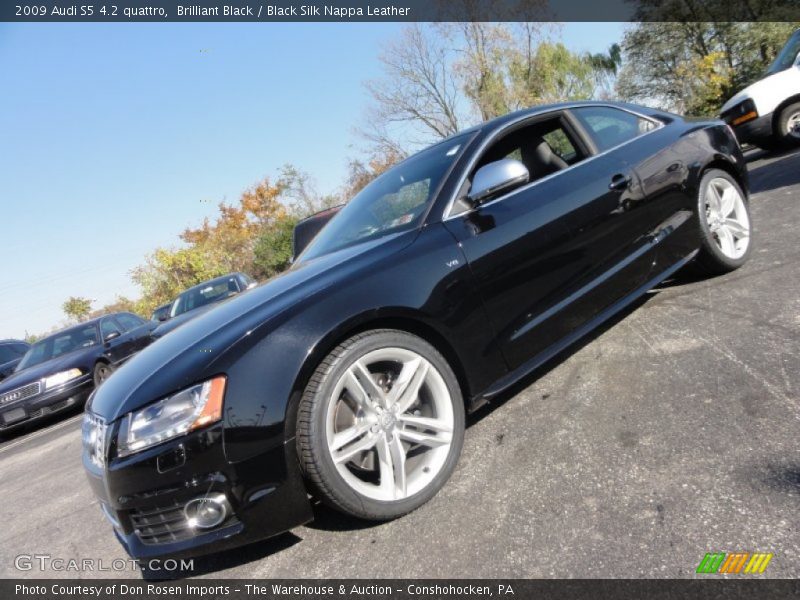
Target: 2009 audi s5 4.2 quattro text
(442,283)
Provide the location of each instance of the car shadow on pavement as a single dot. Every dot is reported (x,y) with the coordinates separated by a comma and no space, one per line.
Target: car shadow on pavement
(227,559)
(783,477)
(327,519)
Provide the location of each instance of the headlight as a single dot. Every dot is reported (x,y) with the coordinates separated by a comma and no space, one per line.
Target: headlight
(190,409)
(61,377)
(741,113)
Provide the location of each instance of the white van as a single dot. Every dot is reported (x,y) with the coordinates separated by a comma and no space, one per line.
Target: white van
(767,113)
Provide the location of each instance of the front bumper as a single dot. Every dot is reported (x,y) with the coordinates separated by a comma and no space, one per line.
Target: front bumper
(44,404)
(143,495)
(755,131)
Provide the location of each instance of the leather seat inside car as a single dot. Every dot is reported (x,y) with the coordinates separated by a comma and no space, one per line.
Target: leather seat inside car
(540,159)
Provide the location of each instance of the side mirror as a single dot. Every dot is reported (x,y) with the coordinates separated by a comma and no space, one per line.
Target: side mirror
(112,336)
(163,317)
(495,178)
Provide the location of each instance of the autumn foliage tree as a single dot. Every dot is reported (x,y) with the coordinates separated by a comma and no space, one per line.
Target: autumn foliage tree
(219,246)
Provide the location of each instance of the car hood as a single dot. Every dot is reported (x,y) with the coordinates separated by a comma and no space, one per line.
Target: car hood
(768,92)
(175,322)
(8,367)
(187,355)
(42,370)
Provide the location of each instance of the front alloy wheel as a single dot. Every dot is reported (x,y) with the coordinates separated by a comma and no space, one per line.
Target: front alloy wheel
(380,426)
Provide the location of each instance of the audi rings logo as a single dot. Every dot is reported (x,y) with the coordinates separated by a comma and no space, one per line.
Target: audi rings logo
(11,397)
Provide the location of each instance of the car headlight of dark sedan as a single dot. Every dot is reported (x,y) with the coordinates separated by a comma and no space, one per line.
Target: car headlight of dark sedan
(195,407)
(61,377)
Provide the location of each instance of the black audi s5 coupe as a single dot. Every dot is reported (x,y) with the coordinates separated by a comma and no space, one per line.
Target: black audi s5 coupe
(442,283)
(62,369)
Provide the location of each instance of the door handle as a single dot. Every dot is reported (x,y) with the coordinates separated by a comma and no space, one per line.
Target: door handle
(620,182)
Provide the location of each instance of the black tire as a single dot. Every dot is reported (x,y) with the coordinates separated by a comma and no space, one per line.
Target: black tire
(711,260)
(316,461)
(102,371)
(784,137)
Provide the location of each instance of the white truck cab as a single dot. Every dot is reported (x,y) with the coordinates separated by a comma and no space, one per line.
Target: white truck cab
(767,113)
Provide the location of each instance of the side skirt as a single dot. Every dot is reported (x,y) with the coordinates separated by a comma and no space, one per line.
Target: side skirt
(526,368)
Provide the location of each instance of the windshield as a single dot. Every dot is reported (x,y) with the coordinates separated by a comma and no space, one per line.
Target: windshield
(213,291)
(787,56)
(58,344)
(8,353)
(395,201)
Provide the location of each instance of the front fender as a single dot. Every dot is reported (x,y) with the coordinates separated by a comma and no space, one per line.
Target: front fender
(427,284)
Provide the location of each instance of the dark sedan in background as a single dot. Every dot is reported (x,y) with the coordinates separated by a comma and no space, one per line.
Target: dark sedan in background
(199,298)
(445,281)
(11,352)
(61,370)
(161,313)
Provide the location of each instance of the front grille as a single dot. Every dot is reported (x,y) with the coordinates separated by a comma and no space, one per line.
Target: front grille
(165,524)
(21,393)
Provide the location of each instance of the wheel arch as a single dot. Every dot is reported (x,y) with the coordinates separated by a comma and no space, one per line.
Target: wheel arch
(396,318)
(724,164)
(776,114)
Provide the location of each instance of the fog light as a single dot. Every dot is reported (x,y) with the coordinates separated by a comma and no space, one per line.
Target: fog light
(207,511)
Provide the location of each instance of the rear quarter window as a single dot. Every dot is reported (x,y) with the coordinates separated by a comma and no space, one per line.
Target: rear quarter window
(610,127)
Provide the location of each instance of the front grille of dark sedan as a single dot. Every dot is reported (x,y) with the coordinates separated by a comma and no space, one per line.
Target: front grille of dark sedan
(165,524)
(21,393)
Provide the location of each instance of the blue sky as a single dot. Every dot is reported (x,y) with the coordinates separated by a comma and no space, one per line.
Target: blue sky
(115,137)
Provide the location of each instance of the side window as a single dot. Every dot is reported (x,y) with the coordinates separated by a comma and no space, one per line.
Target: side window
(129,321)
(561,144)
(108,326)
(544,147)
(611,127)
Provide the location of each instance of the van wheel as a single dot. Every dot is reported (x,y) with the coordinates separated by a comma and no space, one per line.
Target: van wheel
(788,129)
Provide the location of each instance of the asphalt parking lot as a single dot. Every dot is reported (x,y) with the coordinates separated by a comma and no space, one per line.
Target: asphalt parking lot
(671,433)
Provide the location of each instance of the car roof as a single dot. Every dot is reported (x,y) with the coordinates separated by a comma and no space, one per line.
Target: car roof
(210,282)
(502,120)
(13,341)
(93,321)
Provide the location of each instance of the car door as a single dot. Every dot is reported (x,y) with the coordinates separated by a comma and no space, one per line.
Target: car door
(118,344)
(662,212)
(550,254)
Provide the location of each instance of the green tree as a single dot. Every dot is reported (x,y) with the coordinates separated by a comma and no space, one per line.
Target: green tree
(694,66)
(77,308)
(273,249)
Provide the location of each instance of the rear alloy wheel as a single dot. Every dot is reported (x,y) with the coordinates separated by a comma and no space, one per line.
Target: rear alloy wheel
(102,371)
(724,223)
(380,425)
(788,130)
